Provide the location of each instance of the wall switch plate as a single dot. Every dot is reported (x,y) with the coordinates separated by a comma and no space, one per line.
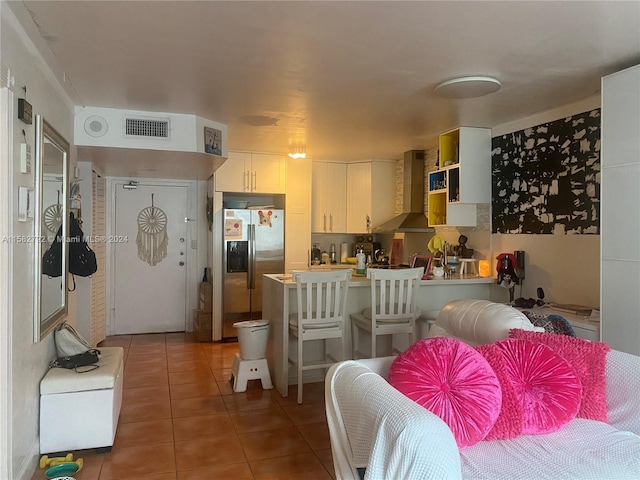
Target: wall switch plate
(23,199)
(25,158)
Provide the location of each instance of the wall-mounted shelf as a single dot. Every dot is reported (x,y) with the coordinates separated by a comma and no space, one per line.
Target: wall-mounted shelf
(463,178)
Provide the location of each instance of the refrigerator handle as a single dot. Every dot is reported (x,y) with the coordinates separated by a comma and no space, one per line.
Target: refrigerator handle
(249,257)
(251,281)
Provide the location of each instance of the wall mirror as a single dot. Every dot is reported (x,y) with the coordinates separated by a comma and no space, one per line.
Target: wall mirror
(51,227)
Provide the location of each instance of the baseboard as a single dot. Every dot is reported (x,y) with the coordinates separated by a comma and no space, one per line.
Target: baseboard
(31,460)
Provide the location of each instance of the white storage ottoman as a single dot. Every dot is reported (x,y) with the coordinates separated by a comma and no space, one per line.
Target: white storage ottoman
(81,410)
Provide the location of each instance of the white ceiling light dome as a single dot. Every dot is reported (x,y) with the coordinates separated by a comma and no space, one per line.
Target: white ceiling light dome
(468,87)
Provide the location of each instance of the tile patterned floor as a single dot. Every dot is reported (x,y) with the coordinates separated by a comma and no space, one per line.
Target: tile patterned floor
(181,420)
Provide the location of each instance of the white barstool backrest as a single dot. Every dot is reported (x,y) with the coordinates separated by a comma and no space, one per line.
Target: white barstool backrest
(322,296)
(394,293)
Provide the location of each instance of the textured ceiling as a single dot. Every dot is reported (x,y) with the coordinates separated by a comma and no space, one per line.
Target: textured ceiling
(350,80)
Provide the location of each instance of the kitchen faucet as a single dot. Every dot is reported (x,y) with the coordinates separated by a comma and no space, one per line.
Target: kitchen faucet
(445,246)
(445,263)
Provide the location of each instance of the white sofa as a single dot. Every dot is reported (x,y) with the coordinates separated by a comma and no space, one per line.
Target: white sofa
(378,433)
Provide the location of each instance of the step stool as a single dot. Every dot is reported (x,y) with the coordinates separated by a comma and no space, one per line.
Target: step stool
(463,266)
(245,370)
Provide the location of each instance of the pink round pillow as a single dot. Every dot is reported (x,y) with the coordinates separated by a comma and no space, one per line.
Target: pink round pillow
(453,381)
(546,386)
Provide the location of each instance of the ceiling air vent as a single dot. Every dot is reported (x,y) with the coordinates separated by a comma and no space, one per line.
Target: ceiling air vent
(140,127)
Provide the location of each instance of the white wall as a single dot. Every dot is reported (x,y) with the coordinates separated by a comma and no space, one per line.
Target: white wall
(27,361)
(567,267)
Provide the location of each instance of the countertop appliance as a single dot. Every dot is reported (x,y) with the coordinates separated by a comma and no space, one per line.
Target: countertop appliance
(253,244)
(369,249)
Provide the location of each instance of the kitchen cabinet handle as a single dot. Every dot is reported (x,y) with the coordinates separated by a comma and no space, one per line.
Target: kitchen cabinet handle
(245,180)
(324,222)
(331,222)
(368,224)
(253,182)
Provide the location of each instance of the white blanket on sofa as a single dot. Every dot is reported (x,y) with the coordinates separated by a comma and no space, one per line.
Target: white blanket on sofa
(394,438)
(569,453)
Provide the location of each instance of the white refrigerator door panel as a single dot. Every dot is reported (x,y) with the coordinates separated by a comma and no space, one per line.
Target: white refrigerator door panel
(269,251)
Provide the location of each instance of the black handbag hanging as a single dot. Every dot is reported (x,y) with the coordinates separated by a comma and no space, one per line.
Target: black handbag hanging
(52,258)
(82,260)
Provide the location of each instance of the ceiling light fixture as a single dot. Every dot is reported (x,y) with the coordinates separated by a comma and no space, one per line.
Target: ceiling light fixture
(468,87)
(298,152)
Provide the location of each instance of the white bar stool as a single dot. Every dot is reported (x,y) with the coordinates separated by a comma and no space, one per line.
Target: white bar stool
(250,363)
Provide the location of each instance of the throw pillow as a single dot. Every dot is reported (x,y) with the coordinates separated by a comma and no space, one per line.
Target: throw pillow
(453,381)
(509,421)
(588,359)
(545,384)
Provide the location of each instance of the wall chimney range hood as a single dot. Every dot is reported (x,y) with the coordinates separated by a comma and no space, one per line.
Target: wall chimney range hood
(412,218)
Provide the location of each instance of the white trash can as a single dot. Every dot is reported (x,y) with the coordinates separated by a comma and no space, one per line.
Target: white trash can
(253,336)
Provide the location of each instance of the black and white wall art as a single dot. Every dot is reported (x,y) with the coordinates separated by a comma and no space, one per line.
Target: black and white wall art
(546,179)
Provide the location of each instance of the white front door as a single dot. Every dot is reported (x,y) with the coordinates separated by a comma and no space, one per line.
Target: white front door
(149,280)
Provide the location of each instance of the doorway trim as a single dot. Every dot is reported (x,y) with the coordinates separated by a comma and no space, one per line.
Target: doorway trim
(6,291)
(191,253)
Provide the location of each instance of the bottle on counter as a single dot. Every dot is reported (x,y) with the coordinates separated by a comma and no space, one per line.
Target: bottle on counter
(325,258)
(315,255)
(361,266)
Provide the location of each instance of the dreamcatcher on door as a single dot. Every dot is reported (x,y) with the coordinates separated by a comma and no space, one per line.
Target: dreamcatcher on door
(152,239)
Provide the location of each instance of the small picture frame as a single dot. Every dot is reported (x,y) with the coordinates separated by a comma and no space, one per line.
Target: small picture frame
(422,261)
(212,141)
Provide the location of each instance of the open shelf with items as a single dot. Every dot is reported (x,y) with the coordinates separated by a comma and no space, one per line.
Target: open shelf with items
(437,208)
(437,181)
(463,178)
(448,144)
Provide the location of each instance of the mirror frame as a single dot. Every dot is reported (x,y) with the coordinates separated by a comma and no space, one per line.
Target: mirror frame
(43,326)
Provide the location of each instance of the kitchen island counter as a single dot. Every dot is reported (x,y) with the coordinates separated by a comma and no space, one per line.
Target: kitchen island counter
(280,301)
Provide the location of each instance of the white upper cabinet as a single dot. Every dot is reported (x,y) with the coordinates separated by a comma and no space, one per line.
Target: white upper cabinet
(297,236)
(463,178)
(370,194)
(245,172)
(329,197)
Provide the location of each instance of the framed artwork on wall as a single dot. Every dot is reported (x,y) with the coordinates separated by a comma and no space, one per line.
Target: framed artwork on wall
(212,141)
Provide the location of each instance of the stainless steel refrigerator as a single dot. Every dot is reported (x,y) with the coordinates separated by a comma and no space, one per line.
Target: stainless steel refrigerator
(253,245)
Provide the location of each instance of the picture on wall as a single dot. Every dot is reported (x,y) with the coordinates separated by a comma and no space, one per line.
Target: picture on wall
(546,179)
(212,141)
